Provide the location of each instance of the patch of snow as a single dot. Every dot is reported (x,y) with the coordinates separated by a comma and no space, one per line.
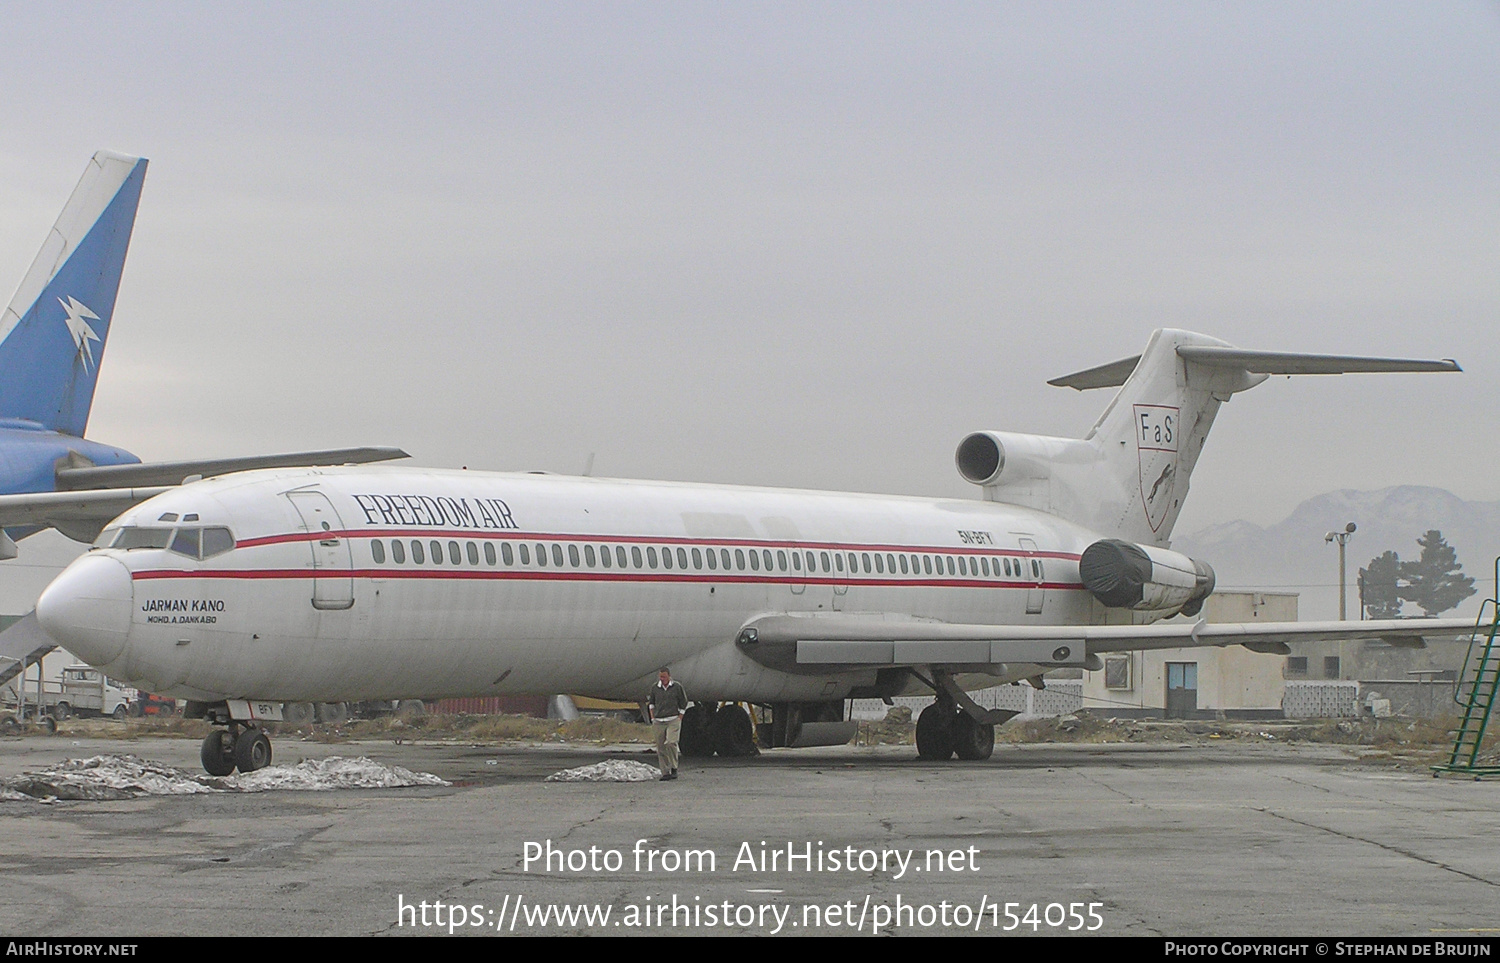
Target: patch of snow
(128,777)
(611,770)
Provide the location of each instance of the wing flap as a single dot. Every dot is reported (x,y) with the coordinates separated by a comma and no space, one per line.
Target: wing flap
(809,642)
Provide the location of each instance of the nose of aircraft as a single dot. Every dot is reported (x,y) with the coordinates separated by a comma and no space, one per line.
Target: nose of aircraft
(86,609)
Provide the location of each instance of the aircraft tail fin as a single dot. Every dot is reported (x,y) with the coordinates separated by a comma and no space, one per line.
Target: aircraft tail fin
(1128,477)
(53,333)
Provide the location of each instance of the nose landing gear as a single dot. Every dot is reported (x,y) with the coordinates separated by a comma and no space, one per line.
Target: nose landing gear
(242,747)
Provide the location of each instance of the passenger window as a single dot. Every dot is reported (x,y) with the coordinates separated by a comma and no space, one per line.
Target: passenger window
(838,561)
(724,558)
(604,556)
(1036,564)
(682,558)
(951,570)
(525,554)
(853,563)
(765,556)
(698,558)
(865,557)
(436,551)
(904,569)
(398,552)
(963,568)
(739,559)
(557,555)
(755,560)
(541,554)
(489,553)
(377,552)
(781,560)
(635,556)
(713,559)
(573,555)
(588,556)
(666,558)
(217,541)
(826,566)
(797,561)
(416,552)
(927,564)
(812,563)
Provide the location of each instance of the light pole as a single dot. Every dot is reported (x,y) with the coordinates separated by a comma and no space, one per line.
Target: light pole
(1341,538)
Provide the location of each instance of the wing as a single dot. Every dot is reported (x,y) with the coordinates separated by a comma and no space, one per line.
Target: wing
(818,643)
(91,477)
(79,515)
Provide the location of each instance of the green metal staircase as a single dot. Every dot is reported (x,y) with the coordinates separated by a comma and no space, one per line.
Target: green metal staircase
(1475,692)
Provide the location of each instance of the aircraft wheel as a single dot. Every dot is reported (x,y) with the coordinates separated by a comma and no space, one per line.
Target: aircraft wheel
(120,713)
(973,741)
(935,733)
(333,713)
(297,713)
(252,750)
(734,733)
(216,754)
(697,740)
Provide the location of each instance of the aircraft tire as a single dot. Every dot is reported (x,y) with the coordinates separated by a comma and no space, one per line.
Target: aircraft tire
(215,754)
(697,741)
(297,713)
(973,741)
(734,733)
(333,713)
(935,727)
(252,750)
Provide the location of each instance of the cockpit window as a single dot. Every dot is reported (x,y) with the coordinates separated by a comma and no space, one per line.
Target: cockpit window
(133,537)
(186,541)
(217,541)
(189,540)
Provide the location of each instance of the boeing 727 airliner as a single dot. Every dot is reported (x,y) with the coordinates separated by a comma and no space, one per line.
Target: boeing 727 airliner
(250,592)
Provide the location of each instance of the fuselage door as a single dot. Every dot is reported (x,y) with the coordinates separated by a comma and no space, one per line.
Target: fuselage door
(330,551)
(1033,569)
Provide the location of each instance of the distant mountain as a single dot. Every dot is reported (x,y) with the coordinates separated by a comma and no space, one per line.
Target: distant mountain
(1292,555)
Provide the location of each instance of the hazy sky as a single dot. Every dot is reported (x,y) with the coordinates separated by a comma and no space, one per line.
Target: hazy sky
(808,245)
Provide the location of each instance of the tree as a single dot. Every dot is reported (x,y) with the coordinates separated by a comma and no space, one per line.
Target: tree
(1435,581)
(1380,587)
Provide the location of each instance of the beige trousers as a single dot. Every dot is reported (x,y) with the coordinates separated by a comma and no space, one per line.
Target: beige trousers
(667,733)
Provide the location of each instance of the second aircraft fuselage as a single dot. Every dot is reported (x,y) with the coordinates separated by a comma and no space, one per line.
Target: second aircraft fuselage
(343,584)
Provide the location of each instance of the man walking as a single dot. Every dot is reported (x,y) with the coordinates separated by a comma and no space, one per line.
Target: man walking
(667,703)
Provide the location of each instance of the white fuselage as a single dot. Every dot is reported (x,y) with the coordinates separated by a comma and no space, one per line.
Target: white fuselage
(388,583)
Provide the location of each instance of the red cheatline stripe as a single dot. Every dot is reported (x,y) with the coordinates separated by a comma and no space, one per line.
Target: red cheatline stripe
(568,576)
(648,540)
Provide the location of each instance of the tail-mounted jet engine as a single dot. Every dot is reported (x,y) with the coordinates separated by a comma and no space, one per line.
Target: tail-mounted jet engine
(1124,575)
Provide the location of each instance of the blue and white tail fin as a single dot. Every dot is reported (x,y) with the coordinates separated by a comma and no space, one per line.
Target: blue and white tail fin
(1128,477)
(53,333)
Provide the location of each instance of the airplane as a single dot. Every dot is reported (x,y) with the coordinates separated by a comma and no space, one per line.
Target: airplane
(52,341)
(252,594)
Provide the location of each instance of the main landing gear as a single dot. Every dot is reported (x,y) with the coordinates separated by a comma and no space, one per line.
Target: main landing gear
(708,728)
(956,725)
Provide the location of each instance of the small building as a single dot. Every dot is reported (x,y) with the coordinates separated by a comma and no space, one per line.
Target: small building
(1206,682)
